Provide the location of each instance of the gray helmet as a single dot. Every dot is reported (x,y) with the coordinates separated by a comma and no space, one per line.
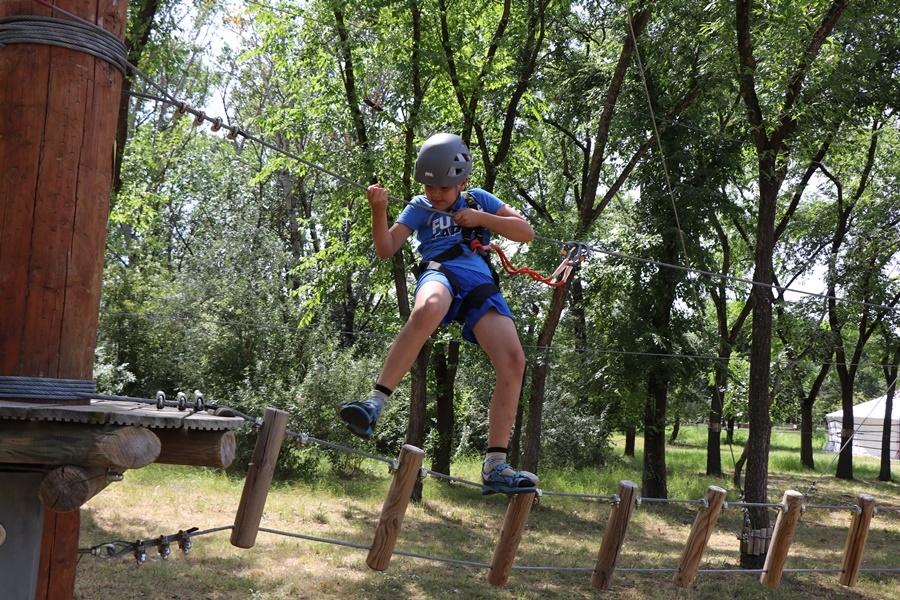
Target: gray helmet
(443,161)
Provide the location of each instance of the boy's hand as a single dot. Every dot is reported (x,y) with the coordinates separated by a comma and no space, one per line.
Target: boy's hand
(468,217)
(377,197)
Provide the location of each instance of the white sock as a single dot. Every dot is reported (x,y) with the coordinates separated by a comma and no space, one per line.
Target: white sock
(492,459)
(379,397)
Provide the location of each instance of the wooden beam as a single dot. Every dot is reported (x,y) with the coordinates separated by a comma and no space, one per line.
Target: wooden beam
(50,443)
(196,448)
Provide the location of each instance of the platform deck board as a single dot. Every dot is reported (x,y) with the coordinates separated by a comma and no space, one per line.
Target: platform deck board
(109,412)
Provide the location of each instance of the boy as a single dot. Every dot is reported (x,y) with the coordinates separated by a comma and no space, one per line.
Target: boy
(456,283)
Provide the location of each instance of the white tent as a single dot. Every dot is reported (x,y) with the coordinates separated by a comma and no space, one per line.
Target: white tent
(868,421)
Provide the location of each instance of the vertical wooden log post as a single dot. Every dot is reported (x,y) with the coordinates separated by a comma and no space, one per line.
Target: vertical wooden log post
(517,512)
(703,528)
(394,508)
(856,540)
(57,129)
(782,536)
(259,478)
(614,535)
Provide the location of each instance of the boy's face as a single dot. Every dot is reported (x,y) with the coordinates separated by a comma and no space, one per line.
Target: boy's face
(442,198)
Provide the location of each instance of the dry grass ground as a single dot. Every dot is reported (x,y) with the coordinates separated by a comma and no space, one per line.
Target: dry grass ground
(456,522)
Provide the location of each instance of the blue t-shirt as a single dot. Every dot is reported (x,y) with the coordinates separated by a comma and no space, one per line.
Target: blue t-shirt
(437,232)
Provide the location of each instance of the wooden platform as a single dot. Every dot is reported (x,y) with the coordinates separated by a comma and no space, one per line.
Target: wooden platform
(107,412)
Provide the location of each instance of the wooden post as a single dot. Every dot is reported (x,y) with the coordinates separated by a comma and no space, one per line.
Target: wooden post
(57,129)
(782,536)
(614,535)
(703,528)
(517,512)
(856,540)
(259,478)
(394,508)
(67,488)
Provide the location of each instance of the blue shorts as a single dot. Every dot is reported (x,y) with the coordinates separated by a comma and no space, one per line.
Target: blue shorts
(466,284)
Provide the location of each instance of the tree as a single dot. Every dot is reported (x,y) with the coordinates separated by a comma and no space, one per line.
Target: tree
(771,141)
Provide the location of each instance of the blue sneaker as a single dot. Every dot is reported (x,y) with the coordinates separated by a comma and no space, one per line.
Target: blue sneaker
(361,417)
(503,479)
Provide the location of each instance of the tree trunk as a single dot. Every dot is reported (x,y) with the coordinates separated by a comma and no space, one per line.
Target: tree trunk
(445,366)
(676,428)
(773,154)
(806,417)
(630,435)
(415,432)
(532,449)
(714,431)
(758,440)
(806,432)
(890,374)
(653,483)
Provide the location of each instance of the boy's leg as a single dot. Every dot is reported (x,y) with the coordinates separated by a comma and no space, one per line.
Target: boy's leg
(497,334)
(432,302)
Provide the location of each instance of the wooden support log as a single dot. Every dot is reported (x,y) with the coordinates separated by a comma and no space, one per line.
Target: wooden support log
(196,447)
(259,478)
(704,524)
(856,540)
(782,536)
(51,443)
(394,508)
(517,512)
(67,488)
(614,535)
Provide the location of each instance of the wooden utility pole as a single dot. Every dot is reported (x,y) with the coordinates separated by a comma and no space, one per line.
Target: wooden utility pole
(58,112)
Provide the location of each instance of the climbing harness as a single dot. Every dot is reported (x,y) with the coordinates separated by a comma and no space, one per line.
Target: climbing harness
(476,240)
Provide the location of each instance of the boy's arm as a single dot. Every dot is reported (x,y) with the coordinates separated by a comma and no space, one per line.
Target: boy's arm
(387,239)
(507,222)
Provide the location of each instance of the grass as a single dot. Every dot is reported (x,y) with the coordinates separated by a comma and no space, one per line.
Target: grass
(456,522)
